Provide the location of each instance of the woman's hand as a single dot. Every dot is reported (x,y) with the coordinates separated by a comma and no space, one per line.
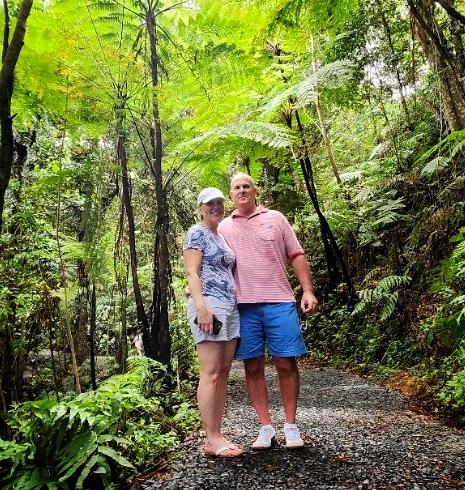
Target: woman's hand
(205,320)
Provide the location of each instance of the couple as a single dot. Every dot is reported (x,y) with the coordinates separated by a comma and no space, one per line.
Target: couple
(236,270)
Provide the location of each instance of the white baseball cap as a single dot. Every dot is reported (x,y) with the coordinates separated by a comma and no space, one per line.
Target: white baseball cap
(206,195)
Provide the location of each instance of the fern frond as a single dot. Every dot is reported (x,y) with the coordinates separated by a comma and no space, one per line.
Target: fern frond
(308,92)
(451,145)
(366,295)
(267,134)
(380,150)
(390,282)
(381,296)
(370,275)
(458,300)
(334,75)
(330,76)
(351,176)
(459,251)
(435,165)
(390,303)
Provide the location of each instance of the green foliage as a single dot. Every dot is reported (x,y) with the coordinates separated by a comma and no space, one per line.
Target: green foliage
(260,132)
(330,77)
(107,434)
(442,154)
(448,325)
(340,338)
(383,297)
(452,395)
(379,214)
(318,16)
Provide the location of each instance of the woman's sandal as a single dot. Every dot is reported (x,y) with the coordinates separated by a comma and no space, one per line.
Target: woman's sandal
(225,452)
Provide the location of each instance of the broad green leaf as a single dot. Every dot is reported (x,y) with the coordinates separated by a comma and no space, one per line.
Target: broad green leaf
(111,453)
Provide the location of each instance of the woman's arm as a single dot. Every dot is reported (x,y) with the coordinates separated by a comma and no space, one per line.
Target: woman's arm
(192,263)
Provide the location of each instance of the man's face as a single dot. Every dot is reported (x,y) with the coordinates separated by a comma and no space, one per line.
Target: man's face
(242,191)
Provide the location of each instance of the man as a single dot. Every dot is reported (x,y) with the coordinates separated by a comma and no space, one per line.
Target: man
(265,243)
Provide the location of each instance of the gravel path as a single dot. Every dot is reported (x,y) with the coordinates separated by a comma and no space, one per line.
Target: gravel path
(359,435)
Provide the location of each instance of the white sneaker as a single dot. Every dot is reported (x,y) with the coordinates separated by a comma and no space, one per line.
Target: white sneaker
(293,439)
(266,438)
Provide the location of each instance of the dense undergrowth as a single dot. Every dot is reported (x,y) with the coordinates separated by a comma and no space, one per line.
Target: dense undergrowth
(98,439)
(410,338)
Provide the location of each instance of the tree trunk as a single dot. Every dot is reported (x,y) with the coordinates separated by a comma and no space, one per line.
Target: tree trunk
(333,254)
(395,63)
(6,378)
(121,268)
(10,55)
(93,314)
(322,123)
(160,332)
(122,160)
(441,60)
(81,316)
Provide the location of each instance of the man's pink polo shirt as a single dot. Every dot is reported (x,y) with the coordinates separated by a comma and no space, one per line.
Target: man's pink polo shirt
(264,243)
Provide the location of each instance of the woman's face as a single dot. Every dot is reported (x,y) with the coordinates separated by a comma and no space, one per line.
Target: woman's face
(212,212)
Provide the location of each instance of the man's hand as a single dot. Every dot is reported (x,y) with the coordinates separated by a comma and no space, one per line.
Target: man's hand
(308,303)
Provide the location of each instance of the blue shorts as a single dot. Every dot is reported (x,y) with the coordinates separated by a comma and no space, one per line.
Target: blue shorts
(275,325)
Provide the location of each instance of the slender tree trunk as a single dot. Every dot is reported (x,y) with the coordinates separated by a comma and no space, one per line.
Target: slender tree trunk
(395,64)
(122,160)
(121,268)
(326,140)
(10,55)
(333,254)
(93,311)
(51,338)
(322,123)
(160,332)
(81,318)
(64,280)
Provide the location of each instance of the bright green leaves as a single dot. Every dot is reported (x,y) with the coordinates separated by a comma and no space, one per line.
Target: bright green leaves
(59,444)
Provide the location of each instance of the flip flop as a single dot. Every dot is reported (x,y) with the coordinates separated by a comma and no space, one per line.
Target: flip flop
(220,452)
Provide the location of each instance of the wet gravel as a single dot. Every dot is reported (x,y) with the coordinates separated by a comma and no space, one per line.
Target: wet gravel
(358,435)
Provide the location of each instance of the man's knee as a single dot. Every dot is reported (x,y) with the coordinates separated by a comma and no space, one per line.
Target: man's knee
(285,365)
(254,367)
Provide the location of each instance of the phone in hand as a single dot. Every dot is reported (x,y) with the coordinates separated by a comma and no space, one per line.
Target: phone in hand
(217,324)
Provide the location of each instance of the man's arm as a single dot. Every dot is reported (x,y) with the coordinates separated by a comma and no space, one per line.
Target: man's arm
(308,303)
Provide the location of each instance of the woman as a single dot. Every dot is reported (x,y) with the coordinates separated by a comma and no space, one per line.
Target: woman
(213,316)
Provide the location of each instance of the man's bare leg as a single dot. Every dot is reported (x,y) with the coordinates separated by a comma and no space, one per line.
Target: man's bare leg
(289,385)
(257,388)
